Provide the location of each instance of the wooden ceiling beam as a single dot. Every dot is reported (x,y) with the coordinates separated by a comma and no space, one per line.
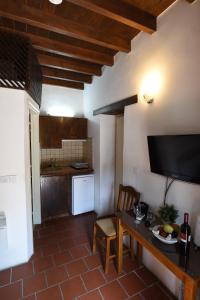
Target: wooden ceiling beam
(124,13)
(69,64)
(38,18)
(64,83)
(60,48)
(64,74)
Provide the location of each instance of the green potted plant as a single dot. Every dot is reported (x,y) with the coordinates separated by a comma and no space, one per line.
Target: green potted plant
(168,214)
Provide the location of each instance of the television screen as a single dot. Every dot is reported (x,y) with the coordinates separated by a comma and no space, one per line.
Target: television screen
(176,156)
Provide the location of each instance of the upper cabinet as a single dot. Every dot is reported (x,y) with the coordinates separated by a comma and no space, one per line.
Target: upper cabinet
(55,129)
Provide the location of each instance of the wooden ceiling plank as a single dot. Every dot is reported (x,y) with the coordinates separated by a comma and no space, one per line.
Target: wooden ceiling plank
(64,83)
(69,64)
(64,74)
(72,51)
(124,13)
(38,18)
(60,48)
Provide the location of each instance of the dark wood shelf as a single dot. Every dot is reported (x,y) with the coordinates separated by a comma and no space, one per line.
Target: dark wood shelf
(116,108)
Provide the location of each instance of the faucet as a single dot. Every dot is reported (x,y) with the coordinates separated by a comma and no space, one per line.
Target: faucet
(53,162)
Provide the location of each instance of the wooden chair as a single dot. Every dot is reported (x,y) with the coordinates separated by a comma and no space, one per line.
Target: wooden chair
(105,228)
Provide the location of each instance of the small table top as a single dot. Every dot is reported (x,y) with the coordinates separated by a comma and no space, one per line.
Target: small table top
(190,265)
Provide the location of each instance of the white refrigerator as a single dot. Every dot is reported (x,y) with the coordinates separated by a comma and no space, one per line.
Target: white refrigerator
(82,194)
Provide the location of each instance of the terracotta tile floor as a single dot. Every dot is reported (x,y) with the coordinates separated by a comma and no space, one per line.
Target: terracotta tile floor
(63,268)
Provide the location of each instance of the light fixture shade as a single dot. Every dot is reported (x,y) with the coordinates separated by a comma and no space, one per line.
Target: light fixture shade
(151,86)
(148,99)
(56,2)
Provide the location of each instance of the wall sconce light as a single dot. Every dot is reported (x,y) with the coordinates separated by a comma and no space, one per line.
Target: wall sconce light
(148,99)
(56,2)
(60,111)
(150,86)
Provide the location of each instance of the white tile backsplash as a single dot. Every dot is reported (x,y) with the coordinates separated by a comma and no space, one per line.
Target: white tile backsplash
(71,151)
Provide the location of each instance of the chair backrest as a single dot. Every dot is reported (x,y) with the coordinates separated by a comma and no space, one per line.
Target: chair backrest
(128,196)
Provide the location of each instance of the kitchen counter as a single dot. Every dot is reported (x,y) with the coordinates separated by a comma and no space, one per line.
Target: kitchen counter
(63,171)
(56,189)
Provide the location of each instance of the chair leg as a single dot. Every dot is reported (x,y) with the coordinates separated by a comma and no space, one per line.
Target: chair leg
(94,244)
(131,247)
(107,259)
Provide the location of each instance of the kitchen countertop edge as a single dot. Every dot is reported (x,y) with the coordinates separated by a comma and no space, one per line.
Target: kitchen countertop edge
(66,171)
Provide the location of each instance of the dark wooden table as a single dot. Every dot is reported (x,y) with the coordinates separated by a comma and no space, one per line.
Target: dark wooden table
(187,270)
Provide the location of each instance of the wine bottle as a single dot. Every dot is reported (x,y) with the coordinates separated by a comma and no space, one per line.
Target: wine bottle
(185,236)
(183,262)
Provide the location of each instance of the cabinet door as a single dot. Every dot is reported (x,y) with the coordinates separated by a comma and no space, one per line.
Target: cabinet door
(82,194)
(55,129)
(53,196)
(49,133)
(74,128)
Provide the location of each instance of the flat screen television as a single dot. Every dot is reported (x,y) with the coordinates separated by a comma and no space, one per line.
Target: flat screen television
(175,156)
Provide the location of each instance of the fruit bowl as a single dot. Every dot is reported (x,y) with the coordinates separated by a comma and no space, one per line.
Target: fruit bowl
(167,239)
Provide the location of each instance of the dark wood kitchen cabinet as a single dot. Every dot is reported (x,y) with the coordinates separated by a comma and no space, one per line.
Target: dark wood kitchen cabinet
(49,133)
(54,195)
(55,129)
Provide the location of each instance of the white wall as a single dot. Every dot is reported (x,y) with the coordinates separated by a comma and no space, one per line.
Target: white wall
(64,98)
(35,160)
(173,51)
(119,153)
(103,162)
(15,190)
(107,164)
(93,131)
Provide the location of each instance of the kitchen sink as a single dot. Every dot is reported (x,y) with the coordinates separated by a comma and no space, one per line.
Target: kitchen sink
(52,168)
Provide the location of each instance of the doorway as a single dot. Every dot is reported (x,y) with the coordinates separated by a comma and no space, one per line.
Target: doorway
(31,158)
(34,161)
(119,149)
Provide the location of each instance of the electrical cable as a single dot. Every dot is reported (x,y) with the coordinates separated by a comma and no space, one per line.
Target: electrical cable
(167,187)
